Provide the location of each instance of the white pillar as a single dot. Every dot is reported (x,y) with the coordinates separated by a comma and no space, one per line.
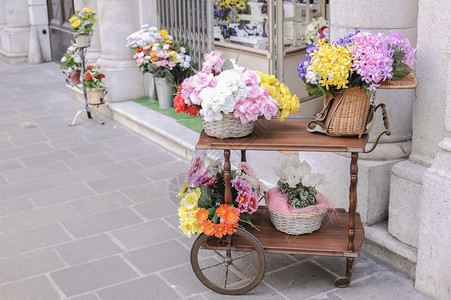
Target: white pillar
(15,36)
(39,46)
(432,138)
(117,19)
(428,118)
(374,168)
(94,50)
(2,20)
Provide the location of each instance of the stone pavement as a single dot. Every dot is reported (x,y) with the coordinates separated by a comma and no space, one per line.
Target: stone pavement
(89,212)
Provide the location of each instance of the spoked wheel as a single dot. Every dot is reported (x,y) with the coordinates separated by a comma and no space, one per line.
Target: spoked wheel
(231,265)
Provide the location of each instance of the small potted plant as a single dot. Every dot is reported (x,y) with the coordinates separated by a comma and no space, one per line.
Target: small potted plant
(71,62)
(82,22)
(95,87)
(295,206)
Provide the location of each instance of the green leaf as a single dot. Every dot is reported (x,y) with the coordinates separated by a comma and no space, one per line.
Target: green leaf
(228,65)
(205,198)
(313,90)
(245,218)
(213,215)
(401,71)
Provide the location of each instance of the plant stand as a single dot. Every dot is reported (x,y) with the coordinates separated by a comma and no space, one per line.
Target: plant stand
(86,108)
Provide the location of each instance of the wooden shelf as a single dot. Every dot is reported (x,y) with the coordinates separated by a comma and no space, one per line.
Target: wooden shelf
(330,240)
(291,135)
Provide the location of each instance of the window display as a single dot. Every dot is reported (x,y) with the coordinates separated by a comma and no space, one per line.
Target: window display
(247,22)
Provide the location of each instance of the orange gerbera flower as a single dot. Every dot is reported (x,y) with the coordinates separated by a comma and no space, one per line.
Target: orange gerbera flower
(208,228)
(230,228)
(219,230)
(202,215)
(222,210)
(231,216)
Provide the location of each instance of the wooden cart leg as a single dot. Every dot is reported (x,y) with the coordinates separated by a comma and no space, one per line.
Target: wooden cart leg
(243,155)
(343,281)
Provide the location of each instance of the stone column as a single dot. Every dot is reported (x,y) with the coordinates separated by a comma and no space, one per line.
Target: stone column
(117,19)
(15,36)
(374,168)
(94,50)
(432,138)
(39,45)
(2,20)
(428,119)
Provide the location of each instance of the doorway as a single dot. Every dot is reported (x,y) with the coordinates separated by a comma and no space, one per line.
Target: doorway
(59,12)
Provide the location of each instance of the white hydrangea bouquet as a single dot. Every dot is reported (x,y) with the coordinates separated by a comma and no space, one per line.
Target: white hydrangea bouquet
(318,29)
(295,205)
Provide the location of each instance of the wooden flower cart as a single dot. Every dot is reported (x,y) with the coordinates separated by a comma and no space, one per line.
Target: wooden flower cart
(236,263)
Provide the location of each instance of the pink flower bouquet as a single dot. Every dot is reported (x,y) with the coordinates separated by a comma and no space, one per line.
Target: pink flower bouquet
(223,87)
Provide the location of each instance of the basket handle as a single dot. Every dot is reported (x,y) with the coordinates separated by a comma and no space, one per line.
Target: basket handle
(386,125)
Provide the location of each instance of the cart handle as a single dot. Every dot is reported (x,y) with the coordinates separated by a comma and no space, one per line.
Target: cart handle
(386,125)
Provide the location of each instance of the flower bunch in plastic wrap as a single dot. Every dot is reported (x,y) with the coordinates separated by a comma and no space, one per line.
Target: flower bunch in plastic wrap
(359,59)
(146,36)
(202,206)
(317,30)
(156,52)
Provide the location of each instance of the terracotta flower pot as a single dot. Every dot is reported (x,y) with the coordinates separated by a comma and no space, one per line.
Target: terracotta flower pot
(75,77)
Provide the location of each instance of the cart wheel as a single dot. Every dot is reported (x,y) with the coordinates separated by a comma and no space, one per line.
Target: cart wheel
(232,265)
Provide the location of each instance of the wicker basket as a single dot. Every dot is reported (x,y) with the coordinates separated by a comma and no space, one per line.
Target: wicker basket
(351,114)
(296,224)
(228,127)
(408,82)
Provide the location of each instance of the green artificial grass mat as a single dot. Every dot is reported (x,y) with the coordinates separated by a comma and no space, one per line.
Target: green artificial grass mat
(193,123)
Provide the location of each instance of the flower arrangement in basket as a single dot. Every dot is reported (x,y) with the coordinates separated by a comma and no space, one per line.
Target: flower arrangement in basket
(350,70)
(317,29)
(71,62)
(156,52)
(295,206)
(229,98)
(95,86)
(202,206)
(360,59)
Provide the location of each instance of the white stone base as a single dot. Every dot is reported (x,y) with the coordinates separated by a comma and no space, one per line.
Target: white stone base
(405,201)
(433,276)
(15,40)
(124,84)
(373,183)
(379,244)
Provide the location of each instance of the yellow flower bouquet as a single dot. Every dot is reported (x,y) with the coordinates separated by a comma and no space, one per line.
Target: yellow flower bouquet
(83,20)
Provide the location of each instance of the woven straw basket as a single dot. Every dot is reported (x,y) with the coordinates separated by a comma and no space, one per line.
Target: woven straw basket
(228,127)
(296,224)
(350,115)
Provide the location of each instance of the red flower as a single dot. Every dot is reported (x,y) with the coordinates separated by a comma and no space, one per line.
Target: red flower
(89,68)
(100,76)
(89,76)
